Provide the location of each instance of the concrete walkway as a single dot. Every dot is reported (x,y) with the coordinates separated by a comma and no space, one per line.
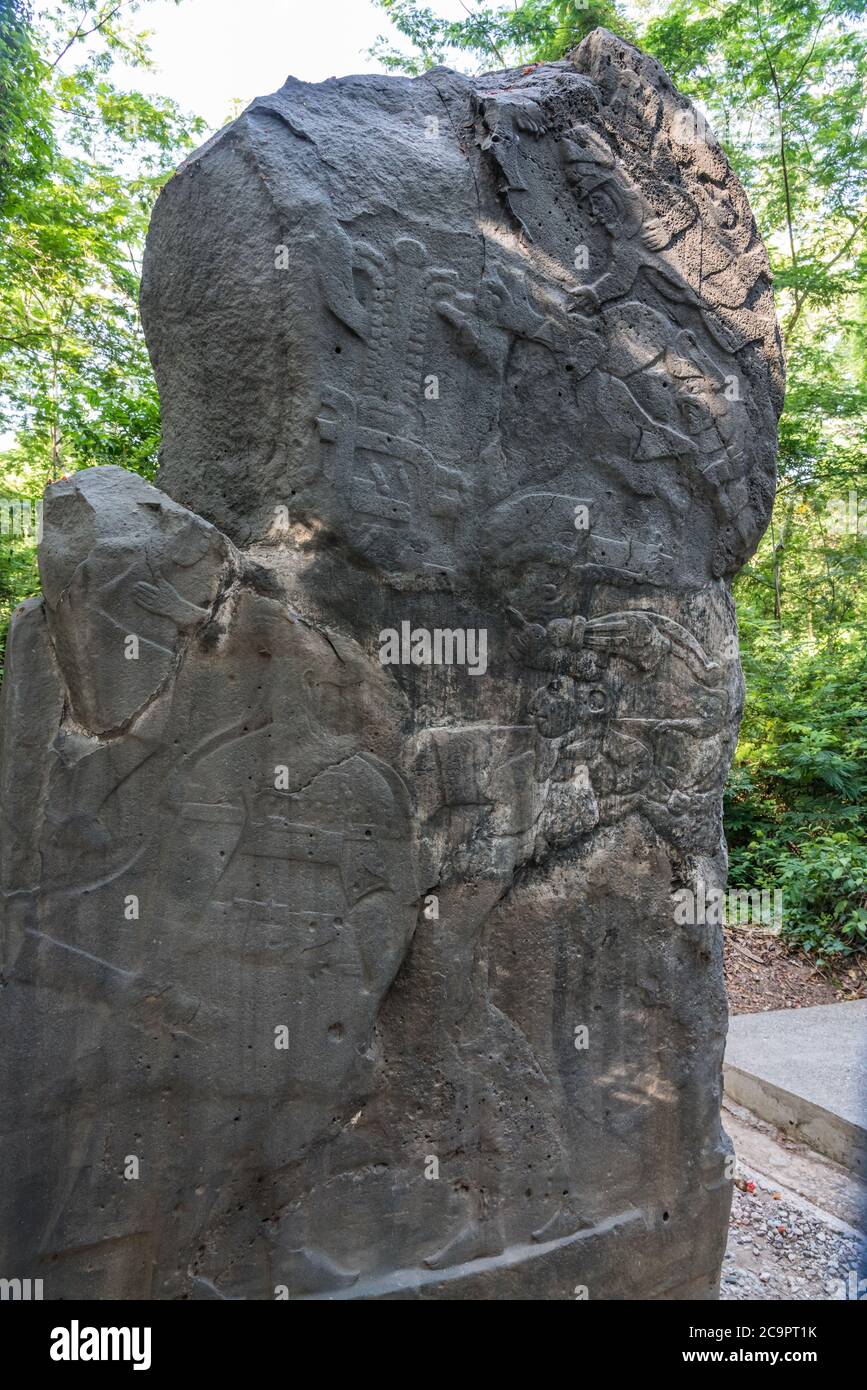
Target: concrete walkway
(805,1071)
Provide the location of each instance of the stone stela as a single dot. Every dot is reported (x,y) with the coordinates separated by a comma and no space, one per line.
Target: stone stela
(500,353)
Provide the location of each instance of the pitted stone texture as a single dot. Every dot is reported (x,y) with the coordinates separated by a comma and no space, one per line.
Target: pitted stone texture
(376,968)
(361,237)
(120,559)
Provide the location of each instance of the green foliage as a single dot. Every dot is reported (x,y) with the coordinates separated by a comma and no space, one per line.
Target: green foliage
(26,137)
(822,880)
(797,795)
(783,84)
(532,31)
(82,163)
(77,385)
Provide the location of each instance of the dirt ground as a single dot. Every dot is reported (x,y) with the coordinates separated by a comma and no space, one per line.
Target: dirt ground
(761,973)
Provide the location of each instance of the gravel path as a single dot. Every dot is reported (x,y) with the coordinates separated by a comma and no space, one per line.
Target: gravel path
(782,1247)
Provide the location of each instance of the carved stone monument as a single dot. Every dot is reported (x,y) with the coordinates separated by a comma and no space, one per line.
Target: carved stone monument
(351,774)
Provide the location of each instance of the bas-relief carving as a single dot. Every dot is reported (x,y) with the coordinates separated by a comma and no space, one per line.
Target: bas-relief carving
(412,494)
(601,750)
(580,482)
(651,414)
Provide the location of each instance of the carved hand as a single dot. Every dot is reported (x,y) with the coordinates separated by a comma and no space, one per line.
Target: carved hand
(163,599)
(631,635)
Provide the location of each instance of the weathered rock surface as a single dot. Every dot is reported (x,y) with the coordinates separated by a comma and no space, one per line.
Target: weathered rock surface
(328,977)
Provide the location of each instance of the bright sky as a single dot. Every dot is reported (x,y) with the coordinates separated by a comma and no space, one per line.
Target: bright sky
(209,52)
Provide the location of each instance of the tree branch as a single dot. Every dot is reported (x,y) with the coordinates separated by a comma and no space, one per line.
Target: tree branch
(85,33)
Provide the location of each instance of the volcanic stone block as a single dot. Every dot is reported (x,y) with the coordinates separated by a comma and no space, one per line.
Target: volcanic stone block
(350,774)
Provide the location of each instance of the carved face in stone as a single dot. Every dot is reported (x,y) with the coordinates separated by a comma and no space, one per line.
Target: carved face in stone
(693,409)
(564,703)
(605,210)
